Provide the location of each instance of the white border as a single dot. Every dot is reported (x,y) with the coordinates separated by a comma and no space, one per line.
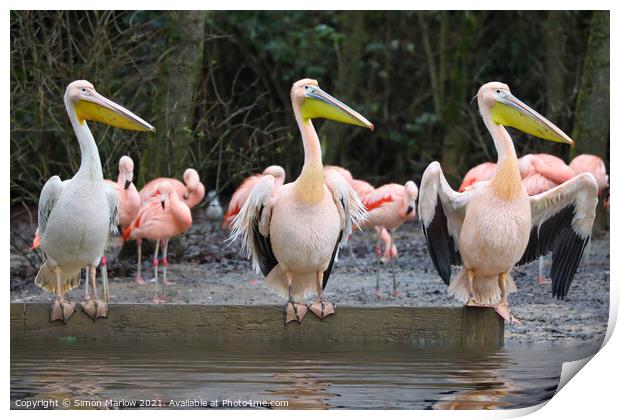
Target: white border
(592,393)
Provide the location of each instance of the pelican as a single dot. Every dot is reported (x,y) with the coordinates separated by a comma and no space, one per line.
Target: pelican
(293,235)
(495,225)
(77,215)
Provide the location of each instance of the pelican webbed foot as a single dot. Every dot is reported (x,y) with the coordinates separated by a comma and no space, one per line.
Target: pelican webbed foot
(473,302)
(294,312)
(95,308)
(323,309)
(61,310)
(504,311)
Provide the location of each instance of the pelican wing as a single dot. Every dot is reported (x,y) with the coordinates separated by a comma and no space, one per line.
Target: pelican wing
(442,211)
(113,208)
(350,208)
(252,225)
(47,200)
(562,221)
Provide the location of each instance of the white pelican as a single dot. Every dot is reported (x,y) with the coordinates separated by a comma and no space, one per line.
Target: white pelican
(293,236)
(77,215)
(495,225)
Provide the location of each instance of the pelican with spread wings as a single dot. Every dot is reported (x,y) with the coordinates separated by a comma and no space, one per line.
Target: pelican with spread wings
(495,226)
(293,233)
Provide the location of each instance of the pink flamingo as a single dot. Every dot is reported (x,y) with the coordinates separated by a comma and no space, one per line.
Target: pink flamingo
(191,190)
(596,166)
(390,252)
(128,196)
(541,172)
(362,188)
(479,173)
(242,192)
(163,217)
(389,206)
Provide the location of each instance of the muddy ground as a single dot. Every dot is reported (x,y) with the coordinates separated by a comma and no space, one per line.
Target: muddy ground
(207,271)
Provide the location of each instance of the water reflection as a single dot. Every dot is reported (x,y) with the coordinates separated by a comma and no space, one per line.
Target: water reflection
(340,376)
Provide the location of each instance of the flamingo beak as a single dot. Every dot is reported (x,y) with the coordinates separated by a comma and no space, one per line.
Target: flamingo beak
(163,204)
(466,184)
(95,107)
(127,184)
(319,104)
(409,210)
(512,112)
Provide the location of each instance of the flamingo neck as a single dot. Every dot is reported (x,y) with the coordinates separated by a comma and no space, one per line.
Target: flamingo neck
(90,166)
(310,185)
(120,180)
(507,179)
(180,211)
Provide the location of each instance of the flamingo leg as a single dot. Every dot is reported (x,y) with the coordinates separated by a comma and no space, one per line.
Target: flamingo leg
(293,311)
(94,307)
(321,308)
(377,292)
(155,265)
(395,292)
(164,263)
(61,309)
(541,276)
(139,278)
(502,308)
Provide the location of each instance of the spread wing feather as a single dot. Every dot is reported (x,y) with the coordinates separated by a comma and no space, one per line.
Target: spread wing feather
(562,221)
(251,225)
(442,211)
(351,210)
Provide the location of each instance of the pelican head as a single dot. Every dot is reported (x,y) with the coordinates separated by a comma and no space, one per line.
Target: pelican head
(191,179)
(125,167)
(90,105)
(315,103)
(507,110)
(411,194)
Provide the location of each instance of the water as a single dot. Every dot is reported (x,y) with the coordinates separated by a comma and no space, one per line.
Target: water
(334,376)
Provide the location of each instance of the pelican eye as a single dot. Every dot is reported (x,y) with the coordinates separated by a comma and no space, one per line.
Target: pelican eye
(498,91)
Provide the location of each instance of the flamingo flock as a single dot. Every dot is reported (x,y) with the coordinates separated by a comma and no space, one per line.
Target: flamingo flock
(504,214)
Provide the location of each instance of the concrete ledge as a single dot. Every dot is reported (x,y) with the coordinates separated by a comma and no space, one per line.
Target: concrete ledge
(417,325)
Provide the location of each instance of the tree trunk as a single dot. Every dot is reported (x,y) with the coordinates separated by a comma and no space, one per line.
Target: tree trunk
(591,127)
(554,36)
(349,65)
(456,145)
(167,152)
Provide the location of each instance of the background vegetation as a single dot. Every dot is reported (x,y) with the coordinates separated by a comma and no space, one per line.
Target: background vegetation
(216,86)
